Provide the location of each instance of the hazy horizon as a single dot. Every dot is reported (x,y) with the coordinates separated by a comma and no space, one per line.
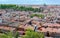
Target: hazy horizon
(31,2)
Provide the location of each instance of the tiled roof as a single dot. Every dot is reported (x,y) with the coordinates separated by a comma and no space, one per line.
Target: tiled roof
(51,24)
(7,28)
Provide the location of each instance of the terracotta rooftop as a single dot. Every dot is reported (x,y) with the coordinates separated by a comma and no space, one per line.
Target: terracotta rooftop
(51,24)
(6,28)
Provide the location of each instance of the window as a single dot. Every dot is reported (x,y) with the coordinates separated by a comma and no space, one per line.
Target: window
(0,14)
(58,19)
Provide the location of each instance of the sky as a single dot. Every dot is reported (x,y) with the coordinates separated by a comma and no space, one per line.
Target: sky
(30,2)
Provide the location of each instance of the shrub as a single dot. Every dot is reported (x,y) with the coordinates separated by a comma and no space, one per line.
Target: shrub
(32,34)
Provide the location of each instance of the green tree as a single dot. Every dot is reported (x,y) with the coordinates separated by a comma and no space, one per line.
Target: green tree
(3,36)
(16,35)
(38,15)
(21,8)
(9,35)
(32,34)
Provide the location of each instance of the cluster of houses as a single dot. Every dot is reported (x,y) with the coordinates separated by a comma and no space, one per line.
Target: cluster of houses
(20,21)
